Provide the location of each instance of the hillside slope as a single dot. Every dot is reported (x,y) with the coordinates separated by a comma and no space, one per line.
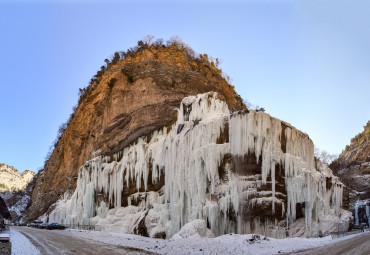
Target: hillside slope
(12,180)
(15,189)
(353,167)
(131,98)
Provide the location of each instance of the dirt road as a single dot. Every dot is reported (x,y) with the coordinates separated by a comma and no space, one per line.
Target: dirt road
(359,245)
(51,242)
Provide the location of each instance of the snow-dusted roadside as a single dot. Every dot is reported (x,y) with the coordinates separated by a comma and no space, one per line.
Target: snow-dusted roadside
(226,244)
(21,245)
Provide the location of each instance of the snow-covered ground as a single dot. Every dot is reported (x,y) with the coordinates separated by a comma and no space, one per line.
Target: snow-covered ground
(21,245)
(226,244)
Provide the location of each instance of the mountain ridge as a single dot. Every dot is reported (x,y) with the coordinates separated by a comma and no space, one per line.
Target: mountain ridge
(109,115)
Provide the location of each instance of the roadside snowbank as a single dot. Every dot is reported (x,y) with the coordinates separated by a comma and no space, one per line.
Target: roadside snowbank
(21,245)
(225,244)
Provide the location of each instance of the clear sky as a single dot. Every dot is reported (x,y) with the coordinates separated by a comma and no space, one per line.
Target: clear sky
(305,62)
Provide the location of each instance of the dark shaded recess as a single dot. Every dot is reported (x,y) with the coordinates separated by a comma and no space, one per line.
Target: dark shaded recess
(224,135)
(345,202)
(118,122)
(195,123)
(300,210)
(141,228)
(186,111)
(264,209)
(4,210)
(179,128)
(161,235)
(247,165)
(283,137)
(221,169)
(131,188)
(328,183)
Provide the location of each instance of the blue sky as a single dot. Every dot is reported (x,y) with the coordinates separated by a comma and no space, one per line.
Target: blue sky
(305,62)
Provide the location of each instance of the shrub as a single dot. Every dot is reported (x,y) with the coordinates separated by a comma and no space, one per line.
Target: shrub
(111,83)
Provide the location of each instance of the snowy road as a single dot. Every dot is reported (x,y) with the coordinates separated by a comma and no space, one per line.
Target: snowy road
(358,245)
(60,242)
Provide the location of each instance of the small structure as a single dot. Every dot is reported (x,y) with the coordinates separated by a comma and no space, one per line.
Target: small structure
(5,244)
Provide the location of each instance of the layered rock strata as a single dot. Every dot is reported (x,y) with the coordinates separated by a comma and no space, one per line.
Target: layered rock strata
(353,167)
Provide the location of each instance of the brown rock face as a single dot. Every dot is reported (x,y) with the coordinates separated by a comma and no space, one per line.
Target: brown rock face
(133,98)
(353,167)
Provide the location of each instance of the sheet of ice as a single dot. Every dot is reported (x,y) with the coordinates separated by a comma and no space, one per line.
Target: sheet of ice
(189,156)
(21,245)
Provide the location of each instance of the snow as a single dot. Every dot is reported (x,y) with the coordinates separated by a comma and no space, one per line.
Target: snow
(225,244)
(21,245)
(11,179)
(189,156)
(194,229)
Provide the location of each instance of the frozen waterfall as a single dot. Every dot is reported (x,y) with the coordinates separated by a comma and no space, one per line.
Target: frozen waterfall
(197,159)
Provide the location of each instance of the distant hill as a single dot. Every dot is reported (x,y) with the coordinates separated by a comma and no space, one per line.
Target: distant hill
(15,189)
(353,166)
(12,180)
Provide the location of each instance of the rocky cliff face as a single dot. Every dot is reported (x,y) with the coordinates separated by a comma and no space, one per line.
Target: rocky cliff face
(244,172)
(15,189)
(133,98)
(12,180)
(160,140)
(353,167)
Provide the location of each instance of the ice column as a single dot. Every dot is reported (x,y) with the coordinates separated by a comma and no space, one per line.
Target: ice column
(356,213)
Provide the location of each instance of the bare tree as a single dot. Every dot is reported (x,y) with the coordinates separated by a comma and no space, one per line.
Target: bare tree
(324,156)
(148,39)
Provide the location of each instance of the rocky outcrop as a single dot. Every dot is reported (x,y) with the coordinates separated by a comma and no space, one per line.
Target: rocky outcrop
(12,180)
(4,210)
(15,189)
(132,98)
(353,167)
(18,201)
(160,140)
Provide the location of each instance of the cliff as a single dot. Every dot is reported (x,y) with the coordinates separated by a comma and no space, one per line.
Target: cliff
(129,99)
(12,180)
(160,139)
(241,172)
(353,167)
(15,189)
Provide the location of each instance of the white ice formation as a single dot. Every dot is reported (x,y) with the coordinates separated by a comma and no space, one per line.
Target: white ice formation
(202,181)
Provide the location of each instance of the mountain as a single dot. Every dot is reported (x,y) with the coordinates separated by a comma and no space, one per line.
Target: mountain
(353,167)
(12,180)
(160,140)
(131,98)
(15,189)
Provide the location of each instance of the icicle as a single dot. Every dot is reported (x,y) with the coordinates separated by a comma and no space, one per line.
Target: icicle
(189,156)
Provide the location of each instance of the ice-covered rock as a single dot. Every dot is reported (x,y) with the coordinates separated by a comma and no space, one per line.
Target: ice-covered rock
(244,172)
(194,229)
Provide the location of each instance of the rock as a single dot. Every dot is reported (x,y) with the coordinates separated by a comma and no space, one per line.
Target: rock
(353,168)
(194,229)
(4,210)
(109,118)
